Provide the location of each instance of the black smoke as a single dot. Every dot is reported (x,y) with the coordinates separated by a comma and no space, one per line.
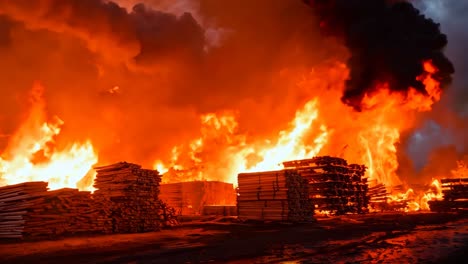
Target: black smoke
(388,41)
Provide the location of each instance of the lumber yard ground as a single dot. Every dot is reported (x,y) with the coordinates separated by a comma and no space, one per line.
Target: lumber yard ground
(371,238)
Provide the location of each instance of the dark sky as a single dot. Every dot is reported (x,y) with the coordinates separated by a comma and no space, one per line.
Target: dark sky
(443,128)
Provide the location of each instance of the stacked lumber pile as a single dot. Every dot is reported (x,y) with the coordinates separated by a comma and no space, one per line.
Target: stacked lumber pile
(334,186)
(273,196)
(378,196)
(189,198)
(172,194)
(358,201)
(455,193)
(28,210)
(77,211)
(19,205)
(129,195)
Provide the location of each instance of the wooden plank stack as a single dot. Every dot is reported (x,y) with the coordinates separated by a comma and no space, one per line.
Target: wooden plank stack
(273,196)
(17,202)
(378,197)
(129,195)
(77,210)
(126,201)
(455,193)
(334,186)
(28,210)
(189,198)
(358,201)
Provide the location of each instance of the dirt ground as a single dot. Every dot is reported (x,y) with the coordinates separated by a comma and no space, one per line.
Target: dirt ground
(372,238)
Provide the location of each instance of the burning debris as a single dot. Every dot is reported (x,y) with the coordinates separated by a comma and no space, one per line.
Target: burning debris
(274,196)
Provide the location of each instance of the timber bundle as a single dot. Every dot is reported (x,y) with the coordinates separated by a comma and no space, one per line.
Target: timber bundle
(378,197)
(129,195)
(334,186)
(28,210)
(190,198)
(126,201)
(273,196)
(455,193)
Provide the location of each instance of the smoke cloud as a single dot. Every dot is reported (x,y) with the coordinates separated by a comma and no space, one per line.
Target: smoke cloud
(388,41)
(108,29)
(446,126)
(135,78)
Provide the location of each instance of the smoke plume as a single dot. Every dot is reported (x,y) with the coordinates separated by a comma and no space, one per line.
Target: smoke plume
(136,78)
(388,41)
(446,126)
(141,35)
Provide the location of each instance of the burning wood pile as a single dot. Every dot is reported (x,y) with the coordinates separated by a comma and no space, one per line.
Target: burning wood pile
(129,195)
(455,193)
(190,198)
(378,197)
(273,196)
(28,210)
(334,186)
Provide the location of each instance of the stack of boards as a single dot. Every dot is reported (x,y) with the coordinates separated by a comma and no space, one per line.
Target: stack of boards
(455,192)
(28,210)
(378,195)
(126,202)
(273,196)
(191,198)
(334,186)
(129,195)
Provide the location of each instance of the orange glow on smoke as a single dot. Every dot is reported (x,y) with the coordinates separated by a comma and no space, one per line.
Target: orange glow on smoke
(32,156)
(321,127)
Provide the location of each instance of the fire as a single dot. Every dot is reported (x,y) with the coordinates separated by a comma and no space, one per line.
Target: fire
(31,154)
(321,127)
(221,151)
(203,157)
(220,130)
(291,144)
(461,171)
(434,193)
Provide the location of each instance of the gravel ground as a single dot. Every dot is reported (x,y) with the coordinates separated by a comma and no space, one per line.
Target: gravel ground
(373,238)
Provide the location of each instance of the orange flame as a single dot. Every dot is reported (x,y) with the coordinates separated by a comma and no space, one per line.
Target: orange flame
(291,144)
(434,193)
(461,171)
(322,127)
(220,130)
(31,154)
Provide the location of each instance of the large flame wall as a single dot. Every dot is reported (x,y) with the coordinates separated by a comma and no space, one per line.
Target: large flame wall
(207,94)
